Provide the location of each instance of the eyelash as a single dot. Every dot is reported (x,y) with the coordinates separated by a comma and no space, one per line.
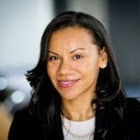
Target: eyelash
(79,56)
(51,57)
(56,58)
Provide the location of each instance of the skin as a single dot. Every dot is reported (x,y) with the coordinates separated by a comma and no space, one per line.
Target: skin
(73,55)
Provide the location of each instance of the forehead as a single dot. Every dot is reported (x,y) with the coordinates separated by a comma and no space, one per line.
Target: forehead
(73,29)
(70,38)
(69,35)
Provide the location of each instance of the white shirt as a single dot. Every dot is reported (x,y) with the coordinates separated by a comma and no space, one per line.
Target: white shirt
(78,128)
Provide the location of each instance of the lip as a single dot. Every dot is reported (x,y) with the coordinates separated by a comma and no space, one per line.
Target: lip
(67,83)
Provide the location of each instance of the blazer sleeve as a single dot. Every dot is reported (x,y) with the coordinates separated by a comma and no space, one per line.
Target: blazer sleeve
(24,127)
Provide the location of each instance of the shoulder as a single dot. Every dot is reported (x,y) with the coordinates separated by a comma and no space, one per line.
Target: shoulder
(24,113)
(24,116)
(133,103)
(133,108)
(133,118)
(24,126)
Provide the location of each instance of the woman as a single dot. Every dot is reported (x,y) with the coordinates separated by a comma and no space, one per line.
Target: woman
(77,91)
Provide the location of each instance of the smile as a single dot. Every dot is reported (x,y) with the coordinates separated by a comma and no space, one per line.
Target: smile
(66,83)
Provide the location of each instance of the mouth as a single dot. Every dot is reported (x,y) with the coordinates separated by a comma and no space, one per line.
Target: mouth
(67,83)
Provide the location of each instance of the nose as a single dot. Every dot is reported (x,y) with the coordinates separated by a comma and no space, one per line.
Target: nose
(65,68)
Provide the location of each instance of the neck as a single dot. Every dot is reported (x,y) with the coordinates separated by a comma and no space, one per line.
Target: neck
(78,110)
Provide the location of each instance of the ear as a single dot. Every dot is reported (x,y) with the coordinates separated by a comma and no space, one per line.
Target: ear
(103,60)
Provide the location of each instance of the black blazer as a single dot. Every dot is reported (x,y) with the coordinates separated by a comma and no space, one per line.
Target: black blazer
(27,127)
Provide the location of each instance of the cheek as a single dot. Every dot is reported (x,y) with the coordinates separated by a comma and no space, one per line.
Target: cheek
(91,64)
(90,69)
(50,70)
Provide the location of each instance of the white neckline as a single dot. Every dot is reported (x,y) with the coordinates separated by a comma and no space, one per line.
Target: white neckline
(78,127)
(78,122)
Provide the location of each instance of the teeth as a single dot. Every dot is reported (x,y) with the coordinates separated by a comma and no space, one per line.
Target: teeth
(65,82)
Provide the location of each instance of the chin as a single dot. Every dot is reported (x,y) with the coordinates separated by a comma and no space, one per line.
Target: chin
(68,96)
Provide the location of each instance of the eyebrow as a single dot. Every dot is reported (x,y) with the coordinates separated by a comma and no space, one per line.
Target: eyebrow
(70,51)
(77,49)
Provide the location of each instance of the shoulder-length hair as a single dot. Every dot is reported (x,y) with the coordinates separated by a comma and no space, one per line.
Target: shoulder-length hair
(45,101)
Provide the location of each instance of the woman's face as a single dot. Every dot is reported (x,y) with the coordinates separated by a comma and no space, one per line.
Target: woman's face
(74,62)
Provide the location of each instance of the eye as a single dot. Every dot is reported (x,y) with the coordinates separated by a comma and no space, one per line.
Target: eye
(53,58)
(77,57)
